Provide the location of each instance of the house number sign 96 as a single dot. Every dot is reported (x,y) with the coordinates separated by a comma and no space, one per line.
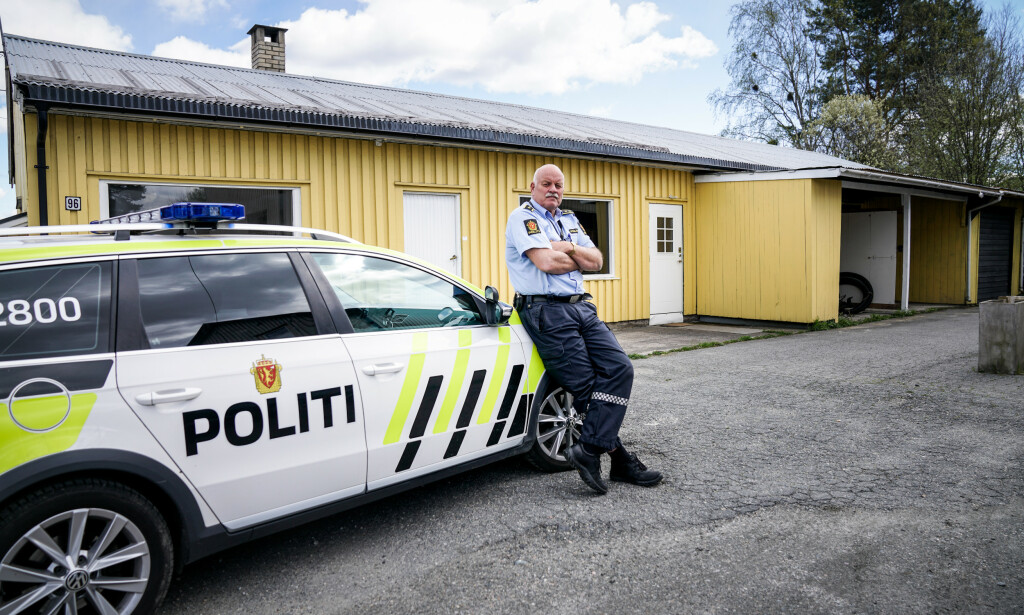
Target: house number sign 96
(73,203)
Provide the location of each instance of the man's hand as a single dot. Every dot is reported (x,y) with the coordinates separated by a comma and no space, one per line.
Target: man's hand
(552,260)
(587,259)
(565,256)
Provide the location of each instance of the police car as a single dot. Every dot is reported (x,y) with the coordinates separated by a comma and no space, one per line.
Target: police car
(171,386)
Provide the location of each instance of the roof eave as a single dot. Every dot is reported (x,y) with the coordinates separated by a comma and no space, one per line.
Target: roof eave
(869,177)
(127,103)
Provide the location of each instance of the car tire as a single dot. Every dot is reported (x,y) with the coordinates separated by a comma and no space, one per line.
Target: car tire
(122,561)
(861,297)
(557,428)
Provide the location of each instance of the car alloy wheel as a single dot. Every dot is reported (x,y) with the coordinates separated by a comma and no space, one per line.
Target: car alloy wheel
(82,559)
(558,428)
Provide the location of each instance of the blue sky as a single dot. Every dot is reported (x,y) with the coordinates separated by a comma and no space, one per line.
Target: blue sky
(652,62)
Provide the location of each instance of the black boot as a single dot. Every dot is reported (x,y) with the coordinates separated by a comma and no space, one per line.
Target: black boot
(588,465)
(628,469)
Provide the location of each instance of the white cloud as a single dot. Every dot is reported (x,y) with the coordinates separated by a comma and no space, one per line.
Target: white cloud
(184,48)
(541,46)
(64,21)
(190,10)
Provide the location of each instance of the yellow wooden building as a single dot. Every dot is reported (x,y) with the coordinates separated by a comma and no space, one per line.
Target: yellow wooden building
(691,225)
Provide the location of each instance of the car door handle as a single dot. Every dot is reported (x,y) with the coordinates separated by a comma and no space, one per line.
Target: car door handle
(167,396)
(382,368)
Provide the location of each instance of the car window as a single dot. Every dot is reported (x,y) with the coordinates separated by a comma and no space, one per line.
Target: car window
(380,294)
(55,311)
(221,298)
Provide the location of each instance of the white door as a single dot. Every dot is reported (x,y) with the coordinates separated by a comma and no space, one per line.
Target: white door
(432,229)
(867,246)
(666,224)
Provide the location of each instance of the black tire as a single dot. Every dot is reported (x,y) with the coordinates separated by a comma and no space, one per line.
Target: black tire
(861,296)
(110,518)
(558,428)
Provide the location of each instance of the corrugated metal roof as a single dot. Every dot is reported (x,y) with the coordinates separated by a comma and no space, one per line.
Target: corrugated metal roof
(95,78)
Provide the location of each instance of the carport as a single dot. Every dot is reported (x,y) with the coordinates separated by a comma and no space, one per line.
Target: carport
(915,239)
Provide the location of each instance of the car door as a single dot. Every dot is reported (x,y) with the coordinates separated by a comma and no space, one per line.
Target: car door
(439,386)
(242,379)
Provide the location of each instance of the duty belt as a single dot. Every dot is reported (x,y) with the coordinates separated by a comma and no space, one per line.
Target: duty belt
(556,298)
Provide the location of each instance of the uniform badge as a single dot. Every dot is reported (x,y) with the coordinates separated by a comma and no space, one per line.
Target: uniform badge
(268,375)
(531,227)
(574,230)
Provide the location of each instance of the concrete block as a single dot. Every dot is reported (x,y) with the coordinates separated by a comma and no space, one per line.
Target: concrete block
(1001,336)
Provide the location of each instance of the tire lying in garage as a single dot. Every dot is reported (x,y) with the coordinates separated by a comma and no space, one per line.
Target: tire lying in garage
(855,293)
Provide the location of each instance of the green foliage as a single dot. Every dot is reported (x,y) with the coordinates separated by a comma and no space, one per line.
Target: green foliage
(926,87)
(853,127)
(969,110)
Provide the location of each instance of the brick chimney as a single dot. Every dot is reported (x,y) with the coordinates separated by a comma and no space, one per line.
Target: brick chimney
(267,48)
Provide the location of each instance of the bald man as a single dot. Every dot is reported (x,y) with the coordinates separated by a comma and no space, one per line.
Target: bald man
(547,251)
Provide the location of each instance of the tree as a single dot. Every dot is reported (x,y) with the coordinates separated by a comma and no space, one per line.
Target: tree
(853,127)
(968,116)
(883,48)
(775,74)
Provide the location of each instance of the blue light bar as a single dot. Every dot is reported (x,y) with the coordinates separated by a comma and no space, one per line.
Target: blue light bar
(201,212)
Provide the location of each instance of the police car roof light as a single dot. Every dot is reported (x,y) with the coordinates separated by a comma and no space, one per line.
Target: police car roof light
(202,212)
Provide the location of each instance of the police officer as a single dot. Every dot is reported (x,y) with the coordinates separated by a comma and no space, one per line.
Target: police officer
(547,250)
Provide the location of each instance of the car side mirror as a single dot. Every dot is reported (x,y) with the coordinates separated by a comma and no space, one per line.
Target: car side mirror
(496,312)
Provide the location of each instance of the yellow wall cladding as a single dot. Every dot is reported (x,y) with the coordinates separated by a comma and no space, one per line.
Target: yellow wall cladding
(938,251)
(768,250)
(333,173)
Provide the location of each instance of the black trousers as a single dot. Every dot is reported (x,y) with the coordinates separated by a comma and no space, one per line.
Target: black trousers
(581,353)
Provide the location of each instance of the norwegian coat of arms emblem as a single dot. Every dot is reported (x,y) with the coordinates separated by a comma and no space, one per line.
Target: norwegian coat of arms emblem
(267,373)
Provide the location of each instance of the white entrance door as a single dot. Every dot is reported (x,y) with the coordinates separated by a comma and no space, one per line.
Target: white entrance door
(666,224)
(432,229)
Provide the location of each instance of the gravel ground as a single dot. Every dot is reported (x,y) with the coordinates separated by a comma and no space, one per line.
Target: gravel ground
(861,470)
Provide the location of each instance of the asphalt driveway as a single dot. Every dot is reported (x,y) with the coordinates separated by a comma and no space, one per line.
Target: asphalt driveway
(861,470)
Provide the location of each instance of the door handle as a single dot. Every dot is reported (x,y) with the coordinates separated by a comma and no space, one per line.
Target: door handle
(167,396)
(383,368)
(454,256)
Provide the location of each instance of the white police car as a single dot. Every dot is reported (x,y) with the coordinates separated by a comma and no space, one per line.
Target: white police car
(164,396)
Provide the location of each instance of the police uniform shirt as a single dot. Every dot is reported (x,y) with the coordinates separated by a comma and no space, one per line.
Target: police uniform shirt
(532,226)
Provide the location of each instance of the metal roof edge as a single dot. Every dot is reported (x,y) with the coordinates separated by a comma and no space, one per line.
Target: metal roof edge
(73,97)
(869,176)
(769,175)
(878,175)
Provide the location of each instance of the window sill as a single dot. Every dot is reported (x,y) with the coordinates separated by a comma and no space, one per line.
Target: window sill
(600,276)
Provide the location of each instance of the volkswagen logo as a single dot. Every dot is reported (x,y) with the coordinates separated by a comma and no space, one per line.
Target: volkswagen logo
(77,580)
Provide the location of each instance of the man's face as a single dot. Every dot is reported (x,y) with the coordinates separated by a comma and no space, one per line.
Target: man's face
(548,187)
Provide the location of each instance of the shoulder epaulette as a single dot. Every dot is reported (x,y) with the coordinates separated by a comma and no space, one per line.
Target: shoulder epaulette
(567,211)
(528,207)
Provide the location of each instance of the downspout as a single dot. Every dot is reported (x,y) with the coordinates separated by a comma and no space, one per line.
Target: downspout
(41,120)
(970,252)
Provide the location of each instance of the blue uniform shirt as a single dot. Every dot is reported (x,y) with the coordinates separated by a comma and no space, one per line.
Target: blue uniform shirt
(531,226)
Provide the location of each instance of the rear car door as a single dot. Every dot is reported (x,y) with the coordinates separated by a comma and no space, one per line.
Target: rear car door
(439,386)
(232,362)
(56,358)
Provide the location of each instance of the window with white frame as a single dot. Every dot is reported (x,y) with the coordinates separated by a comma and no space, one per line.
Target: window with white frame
(263,205)
(596,218)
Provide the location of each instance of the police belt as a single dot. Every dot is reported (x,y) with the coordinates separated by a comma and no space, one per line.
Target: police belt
(556,298)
